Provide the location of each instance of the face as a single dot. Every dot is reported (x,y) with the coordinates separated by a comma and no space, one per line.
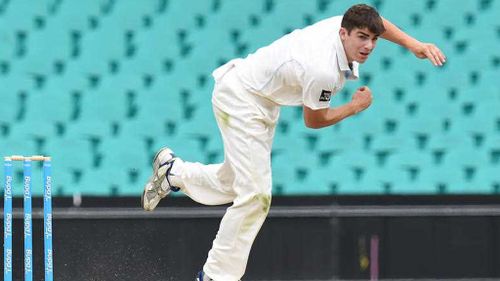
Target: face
(358,44)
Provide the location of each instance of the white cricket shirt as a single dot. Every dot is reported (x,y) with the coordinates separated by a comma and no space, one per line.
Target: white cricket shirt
(305,67)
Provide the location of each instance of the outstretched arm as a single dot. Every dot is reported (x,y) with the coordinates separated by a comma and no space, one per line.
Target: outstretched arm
(419,49)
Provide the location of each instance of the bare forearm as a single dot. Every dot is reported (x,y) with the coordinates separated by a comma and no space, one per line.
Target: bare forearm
(331,116)
(419,49)
(321,118)
(396,35)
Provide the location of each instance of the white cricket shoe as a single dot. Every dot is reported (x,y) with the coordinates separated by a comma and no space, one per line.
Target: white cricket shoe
(158,185)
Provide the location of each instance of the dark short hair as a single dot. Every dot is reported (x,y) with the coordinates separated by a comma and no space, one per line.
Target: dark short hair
(363,16)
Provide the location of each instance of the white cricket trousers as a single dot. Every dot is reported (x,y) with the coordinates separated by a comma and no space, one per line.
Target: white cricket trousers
(247,124)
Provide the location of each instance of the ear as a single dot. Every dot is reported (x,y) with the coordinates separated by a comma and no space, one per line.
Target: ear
(343,33)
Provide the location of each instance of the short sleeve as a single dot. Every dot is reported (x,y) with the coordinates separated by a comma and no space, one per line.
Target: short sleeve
(317,90)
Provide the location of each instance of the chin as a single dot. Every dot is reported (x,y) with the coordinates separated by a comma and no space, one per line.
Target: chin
(361,61)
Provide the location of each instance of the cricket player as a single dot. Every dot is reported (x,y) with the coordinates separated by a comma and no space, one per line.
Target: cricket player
(304,68)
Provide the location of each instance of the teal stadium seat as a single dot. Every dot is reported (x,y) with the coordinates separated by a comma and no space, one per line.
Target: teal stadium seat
(14,145)
(19,15)
(94,59)
(76,15)
(201,131)
(295,169)
(50,110)
(292,14)
(409,171)
(105,109)
(16,87)
(156,48)
(133,15)
(236,14)
(208,53)
(123,169)
(267,31)
(457,14)
(182,15)
(72,159)
(468,176)
(283,165)
(358,173)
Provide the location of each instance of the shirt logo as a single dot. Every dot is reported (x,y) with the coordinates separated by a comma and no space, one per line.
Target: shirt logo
(325,95)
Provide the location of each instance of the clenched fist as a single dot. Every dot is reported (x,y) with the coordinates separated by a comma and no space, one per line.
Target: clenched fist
(361,99)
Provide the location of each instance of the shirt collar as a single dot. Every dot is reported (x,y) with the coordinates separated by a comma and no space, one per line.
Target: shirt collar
(351,74)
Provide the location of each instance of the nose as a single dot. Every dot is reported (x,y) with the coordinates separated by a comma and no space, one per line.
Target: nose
(370,45)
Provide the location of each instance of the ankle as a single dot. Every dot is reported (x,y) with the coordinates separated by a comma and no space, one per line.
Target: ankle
(175,175)
(203,277)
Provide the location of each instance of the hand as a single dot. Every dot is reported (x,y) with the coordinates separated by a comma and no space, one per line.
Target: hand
(361,99)
(429,51)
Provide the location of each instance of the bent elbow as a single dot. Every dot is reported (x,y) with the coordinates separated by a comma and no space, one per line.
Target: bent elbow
(313,125)
(315,119)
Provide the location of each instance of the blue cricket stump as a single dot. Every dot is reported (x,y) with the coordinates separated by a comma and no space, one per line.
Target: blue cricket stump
(28,227)
(28,238)
(47,219)
(7,221)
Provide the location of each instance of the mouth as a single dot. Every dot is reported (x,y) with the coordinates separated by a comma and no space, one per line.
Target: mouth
(364,54)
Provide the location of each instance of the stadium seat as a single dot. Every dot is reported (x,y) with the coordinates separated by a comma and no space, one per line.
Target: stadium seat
(76,16)
(20,14)
(467,173)
(122,172)
(72,159)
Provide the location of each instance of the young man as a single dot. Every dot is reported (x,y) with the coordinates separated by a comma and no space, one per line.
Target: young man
(304,68)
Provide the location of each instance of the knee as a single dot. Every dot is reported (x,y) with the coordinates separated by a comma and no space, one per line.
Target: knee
(263,201)
(257,203)
(257,209)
